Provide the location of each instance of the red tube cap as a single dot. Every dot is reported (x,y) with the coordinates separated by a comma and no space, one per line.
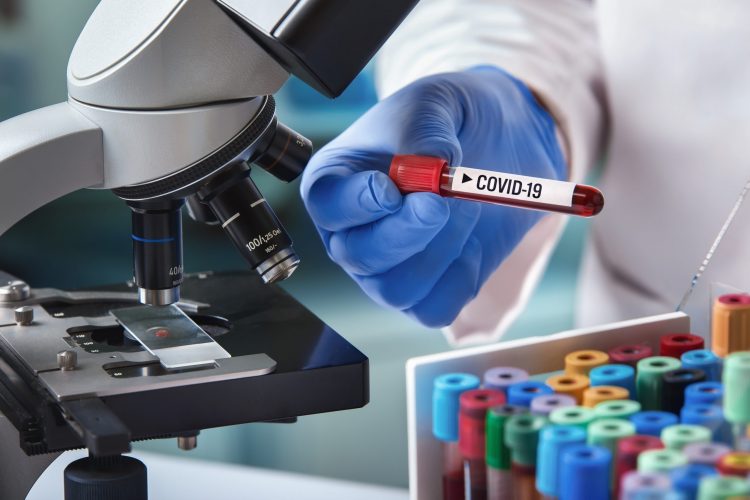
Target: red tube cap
(736,463)
(629,354)
(675,344)
(628,449)
(472,418)
(413,173)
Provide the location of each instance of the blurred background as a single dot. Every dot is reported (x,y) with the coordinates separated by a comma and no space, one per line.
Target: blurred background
(83,240)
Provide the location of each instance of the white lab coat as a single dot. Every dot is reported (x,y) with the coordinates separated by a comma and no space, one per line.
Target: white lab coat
(662,89)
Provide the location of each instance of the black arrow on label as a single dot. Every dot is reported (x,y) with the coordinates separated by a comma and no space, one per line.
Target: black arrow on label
(465,178)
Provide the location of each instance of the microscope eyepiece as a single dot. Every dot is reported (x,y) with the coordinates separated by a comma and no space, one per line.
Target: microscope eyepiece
(251,223)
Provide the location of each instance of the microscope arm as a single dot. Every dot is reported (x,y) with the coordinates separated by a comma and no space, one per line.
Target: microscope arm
(44,155)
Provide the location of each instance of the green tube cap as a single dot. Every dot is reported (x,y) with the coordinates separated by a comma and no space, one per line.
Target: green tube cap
(736,381)
(522,437)
(648,379)
(676,437)
(497,452)
(607,431)
(723,487)
(617,409)
(572,415)
(660,460)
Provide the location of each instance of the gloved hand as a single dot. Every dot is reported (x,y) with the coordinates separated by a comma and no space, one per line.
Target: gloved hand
(420,253)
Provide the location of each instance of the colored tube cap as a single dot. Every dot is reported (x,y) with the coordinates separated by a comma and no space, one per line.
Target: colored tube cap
(522,393)
(645,486)
(595,395)
(736,463)
(575,415)
(570,384)
(624,409)
(618,375)
(413,173)
(648,379)
(730,324)
(737,387)
(675,344)
(472,418)
(660,460)
(608,431)
(581,362)
(709,416)
(446,392)
(705,453)
(703,359)
(501,377)
(522,437)
(674,384)
(723,488)
(630,354)
(497,452)
(686,479)
(651,423)
(584,473)
(704,392)
(547,403)
(628,449)
(676,437)
(553,441)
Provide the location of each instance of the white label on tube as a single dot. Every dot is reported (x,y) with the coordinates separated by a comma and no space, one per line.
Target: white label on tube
(518,187)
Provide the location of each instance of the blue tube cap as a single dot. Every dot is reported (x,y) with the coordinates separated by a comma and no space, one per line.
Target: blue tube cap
(553,441)
(707,415)
(446,392)
(704,392)
(521,393)
(703,359)
(585,473)
(651,423)
(617,375)
(686,479)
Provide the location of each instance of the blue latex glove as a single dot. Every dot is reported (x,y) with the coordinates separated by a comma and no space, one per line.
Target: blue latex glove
(420,253)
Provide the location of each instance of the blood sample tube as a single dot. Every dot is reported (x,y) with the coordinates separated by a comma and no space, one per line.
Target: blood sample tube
(629,354)
(553,441)
(660,460)
(675,344)
(501,377)
(447,390)
(619,375)
(686,480)
(676,437)
(709,416)
(673,386)
(619,408)
(581,362)
(628,449)
(651,423)
(585,473)
(723,488)
(736,463)
(571,384)
(522,437)
(522,393)
(705,453)
(546,403)
(499,485)
(472,419)
(703,359)
(607,432)
(423,173)
(595,395)
(574,415)
(704,393)
(730,324)
(736,380)
(637,485)
(648,379)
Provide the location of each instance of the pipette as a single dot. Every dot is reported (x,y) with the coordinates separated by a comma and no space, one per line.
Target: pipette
(413,173)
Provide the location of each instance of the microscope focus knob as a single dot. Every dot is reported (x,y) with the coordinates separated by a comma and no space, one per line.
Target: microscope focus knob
(24,315)
(106,478)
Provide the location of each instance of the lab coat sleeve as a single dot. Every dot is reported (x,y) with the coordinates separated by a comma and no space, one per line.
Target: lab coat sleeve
(552,46)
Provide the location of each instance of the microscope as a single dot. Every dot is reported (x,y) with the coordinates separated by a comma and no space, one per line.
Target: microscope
(171,108)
